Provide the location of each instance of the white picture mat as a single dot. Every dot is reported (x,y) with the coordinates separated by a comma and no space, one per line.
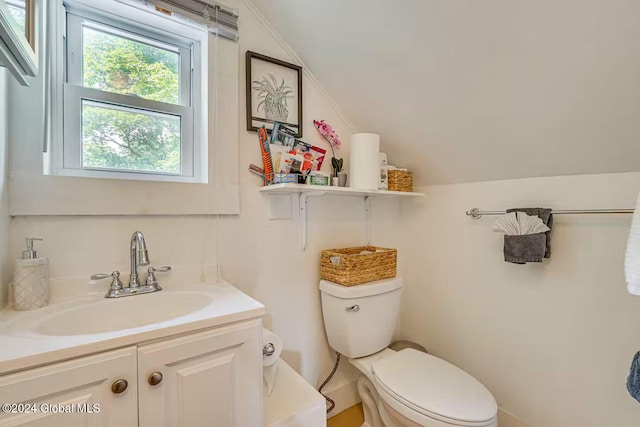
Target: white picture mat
(260,69)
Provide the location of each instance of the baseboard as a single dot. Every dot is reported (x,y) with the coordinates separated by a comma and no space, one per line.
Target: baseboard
(506,419)
(345,396)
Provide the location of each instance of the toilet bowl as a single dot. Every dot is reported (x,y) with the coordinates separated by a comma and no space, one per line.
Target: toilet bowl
(407,388)
(410,388)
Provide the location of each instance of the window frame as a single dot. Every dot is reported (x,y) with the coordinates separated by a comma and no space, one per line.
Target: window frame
(191,110)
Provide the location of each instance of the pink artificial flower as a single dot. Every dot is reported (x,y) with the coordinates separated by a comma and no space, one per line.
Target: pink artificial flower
(327,132)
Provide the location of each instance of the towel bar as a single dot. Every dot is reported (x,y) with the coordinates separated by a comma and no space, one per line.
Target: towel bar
(476,213)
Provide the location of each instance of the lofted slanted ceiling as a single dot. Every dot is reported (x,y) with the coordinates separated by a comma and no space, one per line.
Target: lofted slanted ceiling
(474,90)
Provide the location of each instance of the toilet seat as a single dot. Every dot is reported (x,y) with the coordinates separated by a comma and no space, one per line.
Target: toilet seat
(422,387)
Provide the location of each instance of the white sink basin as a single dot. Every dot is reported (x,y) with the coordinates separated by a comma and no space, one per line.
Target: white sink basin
(117,314)
(77,323)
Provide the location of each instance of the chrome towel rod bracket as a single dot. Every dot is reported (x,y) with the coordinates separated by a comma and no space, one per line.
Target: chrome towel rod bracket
(476,213)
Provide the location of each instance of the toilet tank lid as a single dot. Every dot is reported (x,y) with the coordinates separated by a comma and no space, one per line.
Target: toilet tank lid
(358,291)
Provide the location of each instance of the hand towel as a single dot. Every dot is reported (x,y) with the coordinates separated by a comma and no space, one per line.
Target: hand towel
(632,257)
(633,382)
(524,248)
(546,217)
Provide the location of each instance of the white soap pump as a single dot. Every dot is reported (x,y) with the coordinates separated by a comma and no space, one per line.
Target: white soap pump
(30,279)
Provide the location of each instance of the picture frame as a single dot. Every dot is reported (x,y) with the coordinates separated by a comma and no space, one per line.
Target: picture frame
(274,93)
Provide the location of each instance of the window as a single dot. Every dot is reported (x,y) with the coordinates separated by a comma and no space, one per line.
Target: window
(132,105)
(18,10)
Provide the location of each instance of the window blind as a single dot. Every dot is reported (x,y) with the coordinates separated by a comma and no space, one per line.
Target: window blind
(218,18)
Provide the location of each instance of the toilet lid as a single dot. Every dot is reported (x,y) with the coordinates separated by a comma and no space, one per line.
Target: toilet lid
(434,387)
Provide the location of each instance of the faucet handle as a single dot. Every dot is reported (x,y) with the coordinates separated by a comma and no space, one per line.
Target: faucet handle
(116,284)
(151,277)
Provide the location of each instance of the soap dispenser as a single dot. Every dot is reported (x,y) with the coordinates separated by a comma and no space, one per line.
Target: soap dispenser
(30,279)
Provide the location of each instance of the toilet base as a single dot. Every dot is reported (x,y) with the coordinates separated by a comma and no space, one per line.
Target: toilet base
(378,414)
(369,396)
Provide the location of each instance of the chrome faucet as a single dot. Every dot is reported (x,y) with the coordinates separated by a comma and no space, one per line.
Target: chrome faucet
(139,256)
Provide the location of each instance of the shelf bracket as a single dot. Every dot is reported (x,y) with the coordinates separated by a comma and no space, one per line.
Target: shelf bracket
(367,220)
(306,191)
(303,216)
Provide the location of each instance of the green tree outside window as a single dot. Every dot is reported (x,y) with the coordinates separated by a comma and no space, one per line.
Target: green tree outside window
(129,139)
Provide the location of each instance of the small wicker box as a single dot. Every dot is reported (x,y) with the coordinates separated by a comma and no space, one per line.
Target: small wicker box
(400,180)
(347,267)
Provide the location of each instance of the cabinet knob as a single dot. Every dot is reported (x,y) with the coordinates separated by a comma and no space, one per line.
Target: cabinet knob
(119,386)
(155,378)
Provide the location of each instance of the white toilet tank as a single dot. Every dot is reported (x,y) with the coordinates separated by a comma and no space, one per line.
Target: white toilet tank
(360,320)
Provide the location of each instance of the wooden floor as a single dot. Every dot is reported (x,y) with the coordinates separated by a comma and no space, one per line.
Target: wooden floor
(352,417)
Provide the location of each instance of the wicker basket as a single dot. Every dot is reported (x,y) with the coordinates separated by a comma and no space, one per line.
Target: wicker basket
(400,180)
(347,267)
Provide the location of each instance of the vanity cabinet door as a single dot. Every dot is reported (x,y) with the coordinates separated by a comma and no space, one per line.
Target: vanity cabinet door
(76,393)
(211,378)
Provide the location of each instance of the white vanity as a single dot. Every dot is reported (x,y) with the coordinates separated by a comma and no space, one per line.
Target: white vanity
(185,356)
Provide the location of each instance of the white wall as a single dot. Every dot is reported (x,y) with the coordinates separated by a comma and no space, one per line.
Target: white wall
(33,193)
(5,259)
(453,82)
(552,341)
(261,257)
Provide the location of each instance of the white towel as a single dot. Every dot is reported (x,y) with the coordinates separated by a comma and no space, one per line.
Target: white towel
(519,223)
(632,258)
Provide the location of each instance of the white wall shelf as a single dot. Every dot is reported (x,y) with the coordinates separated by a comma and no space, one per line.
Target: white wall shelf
(305,191)
(333,191)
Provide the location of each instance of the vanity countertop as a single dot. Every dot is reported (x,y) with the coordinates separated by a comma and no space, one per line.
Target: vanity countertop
(56,332)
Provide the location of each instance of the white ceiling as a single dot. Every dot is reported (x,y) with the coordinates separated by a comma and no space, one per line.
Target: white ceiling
(473,90)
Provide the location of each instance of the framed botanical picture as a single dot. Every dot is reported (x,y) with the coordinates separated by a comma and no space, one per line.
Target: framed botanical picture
(274,93)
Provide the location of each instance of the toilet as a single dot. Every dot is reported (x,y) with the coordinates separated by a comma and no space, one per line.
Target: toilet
(405,388)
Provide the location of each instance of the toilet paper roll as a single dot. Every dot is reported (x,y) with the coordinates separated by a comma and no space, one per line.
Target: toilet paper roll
(269,373)
(271,347)
(364,159)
